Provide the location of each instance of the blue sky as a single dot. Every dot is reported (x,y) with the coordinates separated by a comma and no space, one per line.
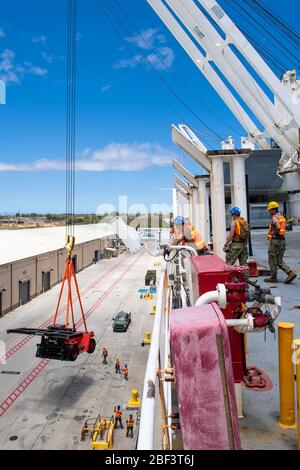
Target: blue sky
(123,142)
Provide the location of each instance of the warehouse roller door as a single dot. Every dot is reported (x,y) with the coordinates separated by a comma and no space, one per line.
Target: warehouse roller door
(97,255)
(46,281)
(24,292)
(74,258)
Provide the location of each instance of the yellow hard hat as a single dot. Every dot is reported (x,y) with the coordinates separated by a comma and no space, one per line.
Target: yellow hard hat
(273,205)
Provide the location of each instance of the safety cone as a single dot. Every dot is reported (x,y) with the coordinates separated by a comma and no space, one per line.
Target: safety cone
(134,401)
(147,339)
(153,310)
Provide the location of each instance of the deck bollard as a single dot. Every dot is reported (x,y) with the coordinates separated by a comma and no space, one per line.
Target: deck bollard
(286,375)
(297,362)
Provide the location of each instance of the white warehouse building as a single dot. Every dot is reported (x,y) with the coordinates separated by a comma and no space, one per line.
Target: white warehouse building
(33,260)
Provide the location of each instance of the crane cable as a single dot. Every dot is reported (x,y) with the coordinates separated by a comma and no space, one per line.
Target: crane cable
(70,117)
(110,12)
(285,52)
(145,41)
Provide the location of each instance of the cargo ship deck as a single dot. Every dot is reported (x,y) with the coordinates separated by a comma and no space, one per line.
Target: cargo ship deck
(45,403)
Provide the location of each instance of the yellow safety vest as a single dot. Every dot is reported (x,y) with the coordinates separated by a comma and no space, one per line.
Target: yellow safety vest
(196,238)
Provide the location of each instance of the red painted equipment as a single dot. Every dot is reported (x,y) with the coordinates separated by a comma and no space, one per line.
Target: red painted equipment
(60,341)
(253,271)
(204,379)
(207,272)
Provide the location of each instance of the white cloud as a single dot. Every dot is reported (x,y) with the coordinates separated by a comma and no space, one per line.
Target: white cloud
(105,88)
(161,59)
(113,157)
(47,57)
(2,33)
(42,39)
(157,56)
(10,72)
(146,39)
(34,70)
(129,63)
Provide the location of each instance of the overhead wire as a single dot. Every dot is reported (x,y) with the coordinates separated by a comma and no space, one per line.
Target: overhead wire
(175,76)
(70,116)
(171,89)
(270,53)
(110,12)
(273,19)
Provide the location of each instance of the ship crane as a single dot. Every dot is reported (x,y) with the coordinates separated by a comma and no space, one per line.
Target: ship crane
(279,116)
(65,341)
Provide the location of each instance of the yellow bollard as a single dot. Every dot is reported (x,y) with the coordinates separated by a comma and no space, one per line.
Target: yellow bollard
(286,375)
(153,310)
(134,401)
(297,354)
(147,339)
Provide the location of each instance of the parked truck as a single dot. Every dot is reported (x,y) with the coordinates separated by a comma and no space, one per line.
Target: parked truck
(121,321)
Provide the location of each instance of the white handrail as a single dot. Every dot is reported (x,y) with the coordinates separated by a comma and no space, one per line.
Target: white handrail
(147,420)
(183,247)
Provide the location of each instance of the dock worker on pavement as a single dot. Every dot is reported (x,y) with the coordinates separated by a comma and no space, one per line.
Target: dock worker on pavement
(186,234)
(236,245)
(118,365)
(118,416)
(104,355)
(277,245)
(129,423)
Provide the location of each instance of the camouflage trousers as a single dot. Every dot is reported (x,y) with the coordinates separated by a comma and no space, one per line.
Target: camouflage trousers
(237,251)
(276,254)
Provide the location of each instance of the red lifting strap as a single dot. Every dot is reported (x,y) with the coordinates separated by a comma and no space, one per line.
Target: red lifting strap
(70,274)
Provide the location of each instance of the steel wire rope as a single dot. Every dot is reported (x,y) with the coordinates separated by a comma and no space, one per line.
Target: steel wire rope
(286,50)
(166,84)
(273,18)
(260,92)
(267,54)
(159,56)
(70,116)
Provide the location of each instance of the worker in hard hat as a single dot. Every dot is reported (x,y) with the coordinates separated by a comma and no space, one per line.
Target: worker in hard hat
(118,365)
(125,372)
(118,416)
(104,355)
(236,245)
(186,234)
(277,245)
(129,424)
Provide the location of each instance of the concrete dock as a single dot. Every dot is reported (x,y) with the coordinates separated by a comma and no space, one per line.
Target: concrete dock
(56,397)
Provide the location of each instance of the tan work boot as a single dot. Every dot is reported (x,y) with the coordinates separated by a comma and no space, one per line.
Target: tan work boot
(291,277)
(271,279)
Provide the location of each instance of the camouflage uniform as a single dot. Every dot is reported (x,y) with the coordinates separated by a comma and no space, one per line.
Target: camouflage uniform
(237,251)
(276,253)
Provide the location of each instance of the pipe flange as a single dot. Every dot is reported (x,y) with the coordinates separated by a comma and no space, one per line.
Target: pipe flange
(222,301)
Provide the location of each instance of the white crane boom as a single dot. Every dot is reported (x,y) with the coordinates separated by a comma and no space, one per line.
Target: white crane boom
(204,66)
(218,56)
(233,69)
(236,37)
